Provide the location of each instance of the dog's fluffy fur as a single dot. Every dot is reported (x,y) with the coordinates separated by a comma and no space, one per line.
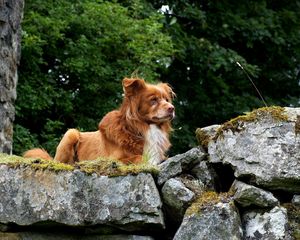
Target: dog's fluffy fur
(139,128)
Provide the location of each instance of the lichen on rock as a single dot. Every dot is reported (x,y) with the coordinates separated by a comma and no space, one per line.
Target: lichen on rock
(261,147)
(247,195)
(259,151)
(176,197)
(237,124)
(179,164)
(266,225)
(206,134)
(31,195)
(293,212)
(11,13)
(212,216)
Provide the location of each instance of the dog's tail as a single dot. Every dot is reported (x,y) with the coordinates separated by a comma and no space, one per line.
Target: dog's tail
(37,153)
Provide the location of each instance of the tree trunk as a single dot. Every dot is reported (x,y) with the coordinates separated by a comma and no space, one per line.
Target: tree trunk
(10,36)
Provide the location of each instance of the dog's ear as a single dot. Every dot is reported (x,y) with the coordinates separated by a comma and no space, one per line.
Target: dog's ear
(168,89)
(132,85)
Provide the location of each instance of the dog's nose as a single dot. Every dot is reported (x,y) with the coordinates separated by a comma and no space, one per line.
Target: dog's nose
(171,109)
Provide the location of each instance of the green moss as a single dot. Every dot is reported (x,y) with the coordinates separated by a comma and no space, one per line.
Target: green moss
(202,138)
(105,167)
(38,164)
(110,167)
(236,124)
(294,219)
(207,199)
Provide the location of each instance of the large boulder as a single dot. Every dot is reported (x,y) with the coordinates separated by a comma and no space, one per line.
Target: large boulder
(262,147)
(74,198)
(211,218)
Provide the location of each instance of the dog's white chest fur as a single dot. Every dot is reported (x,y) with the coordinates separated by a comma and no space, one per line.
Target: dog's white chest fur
(155,144)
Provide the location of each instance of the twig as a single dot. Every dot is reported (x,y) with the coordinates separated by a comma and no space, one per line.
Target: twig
(263,100)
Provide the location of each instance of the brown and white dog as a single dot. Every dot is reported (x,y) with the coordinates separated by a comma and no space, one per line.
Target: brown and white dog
(138,129)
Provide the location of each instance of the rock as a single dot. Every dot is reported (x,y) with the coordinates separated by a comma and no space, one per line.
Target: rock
(247,195)
(215,221)
(179,164)
(177,198)
(293,212)
(262,147)
(205,135)
(11,13)
(205,174)
(73,198)
(55,236)
(269,225)
(296,200)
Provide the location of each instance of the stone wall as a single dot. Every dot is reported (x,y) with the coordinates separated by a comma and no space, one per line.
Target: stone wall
(10,35)
(243,183)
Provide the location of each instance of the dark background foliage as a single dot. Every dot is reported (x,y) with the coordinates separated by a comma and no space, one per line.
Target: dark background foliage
(75,54)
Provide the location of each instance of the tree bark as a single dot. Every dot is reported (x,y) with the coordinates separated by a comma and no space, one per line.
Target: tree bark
(11,12)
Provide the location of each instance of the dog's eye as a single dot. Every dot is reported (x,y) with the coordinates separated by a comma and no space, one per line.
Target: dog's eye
(153,101)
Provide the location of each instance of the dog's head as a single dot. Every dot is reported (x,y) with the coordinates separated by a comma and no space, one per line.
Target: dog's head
(148,102)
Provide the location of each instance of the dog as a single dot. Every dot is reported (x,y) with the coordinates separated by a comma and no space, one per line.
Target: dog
(138,130)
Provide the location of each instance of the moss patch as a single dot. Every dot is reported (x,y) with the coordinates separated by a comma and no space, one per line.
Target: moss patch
(105,167)
(110,167)
(202,138)
(294,219)
(16,161)
(208,199)
(236,124)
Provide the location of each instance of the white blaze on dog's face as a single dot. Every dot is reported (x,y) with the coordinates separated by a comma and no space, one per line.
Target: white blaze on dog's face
(152,102)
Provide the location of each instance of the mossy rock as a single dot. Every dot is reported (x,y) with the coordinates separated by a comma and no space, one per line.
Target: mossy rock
(212,216)
(205,135)
(35,163)
(236,124)
(208,199)
(106,167)
(110,167)
(203,138)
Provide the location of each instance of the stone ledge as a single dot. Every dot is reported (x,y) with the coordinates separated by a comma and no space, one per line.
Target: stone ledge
(77,199)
